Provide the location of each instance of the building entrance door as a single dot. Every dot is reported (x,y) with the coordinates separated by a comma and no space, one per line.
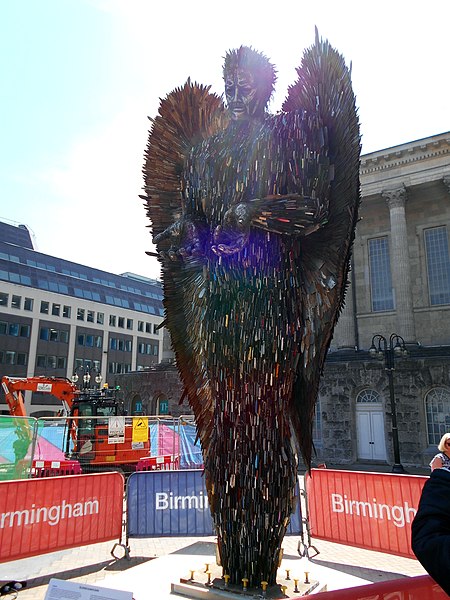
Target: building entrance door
(370,432)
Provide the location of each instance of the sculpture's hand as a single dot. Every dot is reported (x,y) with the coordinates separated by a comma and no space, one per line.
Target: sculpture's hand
(185,238)
(233,234)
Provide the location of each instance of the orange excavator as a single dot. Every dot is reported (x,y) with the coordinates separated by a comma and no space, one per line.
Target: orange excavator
(89,413)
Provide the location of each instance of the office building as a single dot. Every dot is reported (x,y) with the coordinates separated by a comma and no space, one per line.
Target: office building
(58,318)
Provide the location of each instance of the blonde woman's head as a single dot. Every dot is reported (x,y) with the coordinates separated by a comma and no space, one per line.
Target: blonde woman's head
(443,445)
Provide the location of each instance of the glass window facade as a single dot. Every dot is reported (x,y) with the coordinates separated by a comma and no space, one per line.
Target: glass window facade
(31,268)
(368,397)
(438,265)
(382,295)
(437,409)
(8,357)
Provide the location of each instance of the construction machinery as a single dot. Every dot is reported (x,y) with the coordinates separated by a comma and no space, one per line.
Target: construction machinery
(96,435)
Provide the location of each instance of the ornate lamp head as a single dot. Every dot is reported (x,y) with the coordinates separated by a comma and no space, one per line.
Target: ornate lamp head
(249,82)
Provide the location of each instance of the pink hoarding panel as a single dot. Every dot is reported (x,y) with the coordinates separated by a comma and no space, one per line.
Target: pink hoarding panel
(45,515)
(368,510)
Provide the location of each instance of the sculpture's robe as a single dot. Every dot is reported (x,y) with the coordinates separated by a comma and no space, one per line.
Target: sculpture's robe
(248,325)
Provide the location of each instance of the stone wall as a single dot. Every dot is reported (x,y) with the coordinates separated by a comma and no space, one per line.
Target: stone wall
(341,383)
(150,386)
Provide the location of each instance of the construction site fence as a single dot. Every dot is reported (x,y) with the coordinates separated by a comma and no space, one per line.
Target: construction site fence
(363,509)
(48,446)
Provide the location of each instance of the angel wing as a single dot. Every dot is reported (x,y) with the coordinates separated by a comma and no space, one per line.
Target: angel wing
(186,116)
(323,89)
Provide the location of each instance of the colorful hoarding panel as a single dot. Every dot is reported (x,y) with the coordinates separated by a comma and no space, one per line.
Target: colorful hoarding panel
(174,503)
(45,515)
(368,510)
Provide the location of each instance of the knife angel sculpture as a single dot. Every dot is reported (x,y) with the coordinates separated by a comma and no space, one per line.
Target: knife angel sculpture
(253,216)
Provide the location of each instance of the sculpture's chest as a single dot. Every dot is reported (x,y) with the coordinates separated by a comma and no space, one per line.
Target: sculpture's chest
(232,167)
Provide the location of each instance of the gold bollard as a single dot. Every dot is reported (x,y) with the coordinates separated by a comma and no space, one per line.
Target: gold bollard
(192,571)
(244,583)
(227,579)
(296,590)
(306,576)
(283,589)
(264,585)
(287,573)
(209,577)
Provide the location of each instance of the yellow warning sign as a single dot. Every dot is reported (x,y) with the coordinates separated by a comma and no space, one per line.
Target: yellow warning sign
(140,429)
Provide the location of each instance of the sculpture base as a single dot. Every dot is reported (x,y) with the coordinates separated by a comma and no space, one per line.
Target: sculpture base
(209,584)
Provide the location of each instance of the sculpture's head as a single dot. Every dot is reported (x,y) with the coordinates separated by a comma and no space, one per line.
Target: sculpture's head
(249,82)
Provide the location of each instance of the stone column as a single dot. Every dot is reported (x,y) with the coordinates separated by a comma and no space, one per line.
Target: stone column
(396,200)
(346,324)
(345,328)
(446,181)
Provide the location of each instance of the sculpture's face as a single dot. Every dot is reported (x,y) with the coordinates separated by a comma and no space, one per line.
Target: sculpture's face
(241,91)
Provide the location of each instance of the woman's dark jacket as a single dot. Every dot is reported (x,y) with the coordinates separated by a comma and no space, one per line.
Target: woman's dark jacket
(430,529)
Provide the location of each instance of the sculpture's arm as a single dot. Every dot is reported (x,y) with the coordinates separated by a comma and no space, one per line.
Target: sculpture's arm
(186,237)
(291,214)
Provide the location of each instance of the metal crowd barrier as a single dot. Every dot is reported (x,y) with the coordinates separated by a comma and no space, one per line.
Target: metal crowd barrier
(364,509)
(175,503)
(55,513)
(51,446)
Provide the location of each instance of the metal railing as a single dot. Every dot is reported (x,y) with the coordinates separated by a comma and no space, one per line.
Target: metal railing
(48,446)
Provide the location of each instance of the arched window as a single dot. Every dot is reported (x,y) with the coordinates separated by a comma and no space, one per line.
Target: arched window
(162,405)
(317,425)
(368,397)
(437,408)
(136,405)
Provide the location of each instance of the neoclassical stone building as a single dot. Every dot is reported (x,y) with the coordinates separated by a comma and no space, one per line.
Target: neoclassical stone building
(400,284)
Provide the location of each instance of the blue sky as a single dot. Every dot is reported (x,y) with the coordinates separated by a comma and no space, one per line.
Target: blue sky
(79,78)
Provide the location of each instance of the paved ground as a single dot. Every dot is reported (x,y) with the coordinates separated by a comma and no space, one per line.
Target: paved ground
(339,566)
(156,562)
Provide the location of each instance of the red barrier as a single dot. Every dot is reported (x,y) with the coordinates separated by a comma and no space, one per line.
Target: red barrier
(168,462)
(44,515)
(408,588)
(53,468)
(368,510)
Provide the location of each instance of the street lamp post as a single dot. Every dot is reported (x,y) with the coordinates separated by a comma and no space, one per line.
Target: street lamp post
(86,376)
(383,349)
